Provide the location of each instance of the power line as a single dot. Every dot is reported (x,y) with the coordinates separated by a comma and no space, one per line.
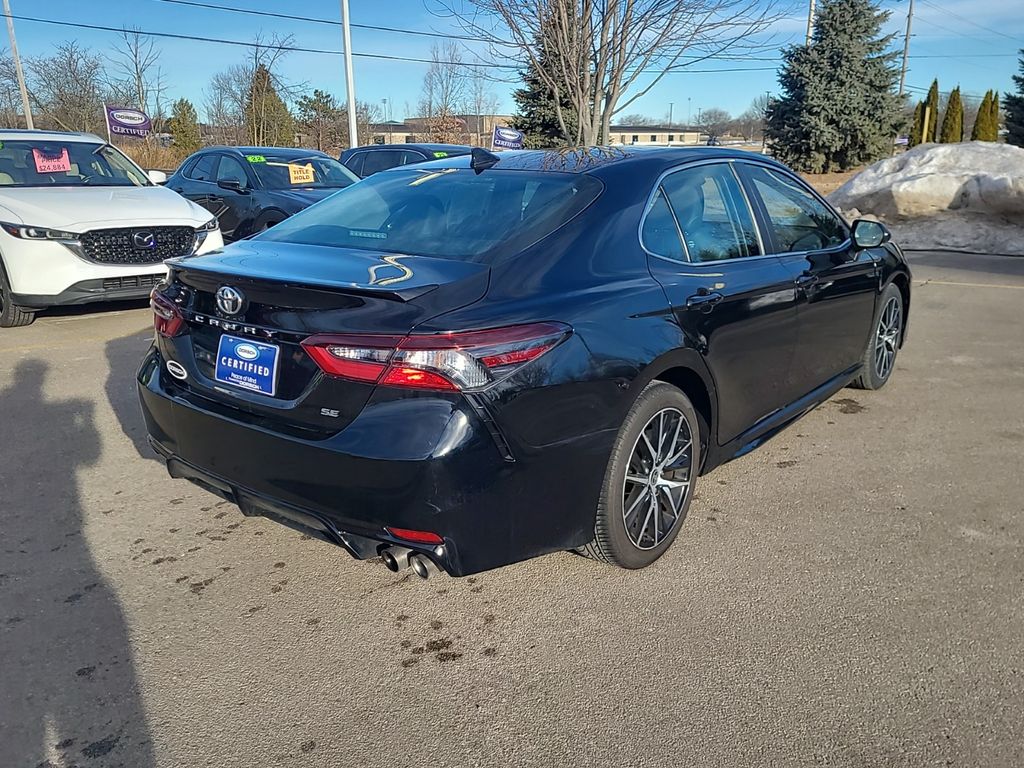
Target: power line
(970,21)
(269,46)
(319,20)
(398,30)
(330,52)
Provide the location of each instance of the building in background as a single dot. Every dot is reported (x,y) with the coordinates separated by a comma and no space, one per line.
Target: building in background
(474,130)
(652,136)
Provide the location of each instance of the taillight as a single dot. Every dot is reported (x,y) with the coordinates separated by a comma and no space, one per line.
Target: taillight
(167,319)
(444,361)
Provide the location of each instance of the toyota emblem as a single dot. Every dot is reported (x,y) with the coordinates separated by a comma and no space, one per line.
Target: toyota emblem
(229,300)
(144,240)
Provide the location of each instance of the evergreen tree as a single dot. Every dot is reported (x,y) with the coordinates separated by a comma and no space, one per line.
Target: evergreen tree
(953,122)
(536,116)
(982,123)
(931,131)
(993,117)
(917,132)
(184,126)
(1013,105)
(267,119)
(838,108)
(319,117)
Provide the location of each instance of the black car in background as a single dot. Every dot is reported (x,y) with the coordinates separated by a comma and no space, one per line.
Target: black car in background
(482,359)
(366,161)
(250,189)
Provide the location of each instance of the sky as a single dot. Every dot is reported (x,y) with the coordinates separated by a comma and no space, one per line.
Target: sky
(971,43)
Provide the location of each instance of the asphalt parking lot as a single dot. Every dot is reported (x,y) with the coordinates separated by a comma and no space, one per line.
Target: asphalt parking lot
(851,594)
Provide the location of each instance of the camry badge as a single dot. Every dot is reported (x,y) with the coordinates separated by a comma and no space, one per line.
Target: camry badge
(229,300)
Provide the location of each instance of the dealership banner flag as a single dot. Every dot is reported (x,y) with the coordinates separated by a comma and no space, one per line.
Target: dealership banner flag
(507,138)
(125,121)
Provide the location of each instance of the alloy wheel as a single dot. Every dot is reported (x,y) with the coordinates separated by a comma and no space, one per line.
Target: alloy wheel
(658,479)
(887,337)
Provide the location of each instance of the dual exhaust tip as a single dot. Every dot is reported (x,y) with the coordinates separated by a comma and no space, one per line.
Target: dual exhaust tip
(397,558)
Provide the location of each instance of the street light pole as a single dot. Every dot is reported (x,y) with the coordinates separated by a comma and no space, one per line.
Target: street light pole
(350,87)
(671,106)
(17,68)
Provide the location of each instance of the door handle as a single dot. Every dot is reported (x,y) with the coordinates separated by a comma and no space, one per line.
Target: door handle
(705,301)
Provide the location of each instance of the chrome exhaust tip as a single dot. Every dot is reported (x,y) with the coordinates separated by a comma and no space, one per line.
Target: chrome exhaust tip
(423,566)
(395,558)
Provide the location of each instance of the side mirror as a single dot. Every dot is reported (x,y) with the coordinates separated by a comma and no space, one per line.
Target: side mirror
(869,234)
(157,177)
(233,184)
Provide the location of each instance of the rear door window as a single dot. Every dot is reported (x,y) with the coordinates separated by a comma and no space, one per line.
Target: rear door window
(205,168)
(382,160)
(711,213)
(799,221)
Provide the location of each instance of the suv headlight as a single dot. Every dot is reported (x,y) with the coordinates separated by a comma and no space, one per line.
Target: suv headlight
(38,233)
(203,230)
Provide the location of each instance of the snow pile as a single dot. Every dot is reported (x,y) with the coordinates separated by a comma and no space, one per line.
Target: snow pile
(965,197)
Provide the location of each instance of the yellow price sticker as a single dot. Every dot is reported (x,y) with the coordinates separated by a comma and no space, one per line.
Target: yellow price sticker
(301,174)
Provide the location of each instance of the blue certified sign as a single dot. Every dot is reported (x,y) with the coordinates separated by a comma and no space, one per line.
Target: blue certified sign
(507,138)
(247,364)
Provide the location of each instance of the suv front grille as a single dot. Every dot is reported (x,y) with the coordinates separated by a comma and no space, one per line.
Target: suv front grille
(131,245)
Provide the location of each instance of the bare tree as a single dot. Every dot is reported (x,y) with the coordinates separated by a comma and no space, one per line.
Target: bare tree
(444,89)
(10,98)
(135,60)
(750,124)
(714,121)
(636,118)
(225,104)
(68,88)
(480,104)
(600,56)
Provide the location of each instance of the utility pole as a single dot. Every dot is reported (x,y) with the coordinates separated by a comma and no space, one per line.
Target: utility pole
(764,120)
(810,22)
(906,46)
(671,105)
(350,87)
(17,67)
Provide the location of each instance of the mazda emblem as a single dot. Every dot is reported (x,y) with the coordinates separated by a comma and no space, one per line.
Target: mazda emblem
(229,300)
(144,240)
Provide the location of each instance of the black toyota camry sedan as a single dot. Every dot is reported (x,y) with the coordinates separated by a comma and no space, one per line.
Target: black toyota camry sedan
(250,189)
(482,359)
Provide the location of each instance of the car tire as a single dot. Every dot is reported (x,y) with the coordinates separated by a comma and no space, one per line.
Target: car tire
(884,343)
(11,316)
(630,529)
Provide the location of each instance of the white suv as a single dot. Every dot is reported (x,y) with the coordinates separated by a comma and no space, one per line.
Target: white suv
(80,222)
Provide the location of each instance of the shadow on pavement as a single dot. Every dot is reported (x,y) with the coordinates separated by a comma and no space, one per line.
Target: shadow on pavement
(124,356)
(68,693)
(977,263)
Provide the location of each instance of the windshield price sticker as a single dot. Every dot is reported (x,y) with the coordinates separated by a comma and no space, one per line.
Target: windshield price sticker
(301,174)
(256,158)
(50,163)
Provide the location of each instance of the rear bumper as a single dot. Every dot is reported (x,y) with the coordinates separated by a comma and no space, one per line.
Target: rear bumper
(443,474)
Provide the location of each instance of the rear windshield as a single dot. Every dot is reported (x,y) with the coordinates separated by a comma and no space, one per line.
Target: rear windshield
(314,172)
(60,163)
(446,212)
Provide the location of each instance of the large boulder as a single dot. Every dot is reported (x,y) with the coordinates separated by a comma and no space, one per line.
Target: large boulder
(967,196)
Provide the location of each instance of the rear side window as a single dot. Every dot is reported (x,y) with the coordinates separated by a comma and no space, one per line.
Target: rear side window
(799,221)
(382,160)
(355,163)
(204,169)
(711,213)
(447,213)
